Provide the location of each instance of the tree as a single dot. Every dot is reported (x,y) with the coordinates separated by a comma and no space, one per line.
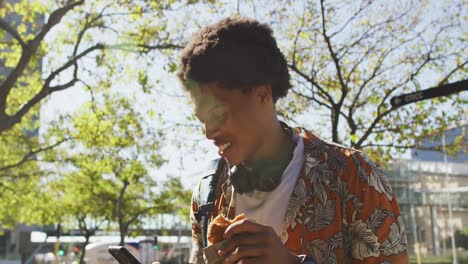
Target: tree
(349,58)
(93,19)
(106,170)
(51,46)
(102,174)
(81,200)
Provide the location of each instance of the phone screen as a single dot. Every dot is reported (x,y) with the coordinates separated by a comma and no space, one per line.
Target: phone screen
(122,255)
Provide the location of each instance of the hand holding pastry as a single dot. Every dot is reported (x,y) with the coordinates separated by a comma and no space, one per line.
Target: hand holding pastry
(251,242)
(218,226)
(215,237)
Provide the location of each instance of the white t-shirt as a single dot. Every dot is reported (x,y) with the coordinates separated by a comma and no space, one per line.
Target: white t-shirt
(269,208)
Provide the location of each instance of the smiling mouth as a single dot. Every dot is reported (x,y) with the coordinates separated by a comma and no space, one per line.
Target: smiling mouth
(223,148)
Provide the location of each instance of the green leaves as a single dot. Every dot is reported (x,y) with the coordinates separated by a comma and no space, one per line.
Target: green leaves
(364,54)
(109,153)
(106,176)
(102,155)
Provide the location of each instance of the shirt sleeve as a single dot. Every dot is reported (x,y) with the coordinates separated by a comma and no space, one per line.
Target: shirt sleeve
(196,256)
(374,230)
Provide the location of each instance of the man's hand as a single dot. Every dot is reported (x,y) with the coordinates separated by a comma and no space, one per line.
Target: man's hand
(250,242)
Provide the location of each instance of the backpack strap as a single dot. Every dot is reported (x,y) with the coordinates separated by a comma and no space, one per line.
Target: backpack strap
(207,195)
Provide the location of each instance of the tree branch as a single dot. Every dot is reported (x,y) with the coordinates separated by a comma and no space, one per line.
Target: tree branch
(388,146)
(3,186)
(344,89)
(374,74)
(361,8)
(374,123)
(71,62)
(414,146)
(295,41)
(427,59)
(461,66)
(12,176)
(311,98)
(8,121)
(28,51)
(370,32)
(88,25)
(143,47)
(332,53)
(33,153)
(311,80)
(12,32)
(119,205)
(322,92)
(137,214)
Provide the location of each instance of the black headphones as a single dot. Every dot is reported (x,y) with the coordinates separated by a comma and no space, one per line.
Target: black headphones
(263,175)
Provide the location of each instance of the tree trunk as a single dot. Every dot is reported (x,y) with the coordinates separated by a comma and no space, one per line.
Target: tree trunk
(83,247)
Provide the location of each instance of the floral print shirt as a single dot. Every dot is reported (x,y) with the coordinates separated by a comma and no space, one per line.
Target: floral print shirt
(342,209)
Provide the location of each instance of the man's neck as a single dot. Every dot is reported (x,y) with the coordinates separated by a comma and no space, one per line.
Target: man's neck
(276,144)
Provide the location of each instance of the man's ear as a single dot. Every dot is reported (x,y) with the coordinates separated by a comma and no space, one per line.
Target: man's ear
(263,93)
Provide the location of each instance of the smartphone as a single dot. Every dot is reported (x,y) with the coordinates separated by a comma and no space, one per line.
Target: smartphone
(122,255)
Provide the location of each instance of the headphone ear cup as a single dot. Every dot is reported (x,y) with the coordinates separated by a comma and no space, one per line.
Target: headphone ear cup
(269,175)
(242,179)
(264,176)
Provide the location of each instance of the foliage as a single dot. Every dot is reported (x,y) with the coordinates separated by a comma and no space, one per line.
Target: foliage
(61,37)
(347,59)
(51,46)
(461,238)
(104,173)
(350,58)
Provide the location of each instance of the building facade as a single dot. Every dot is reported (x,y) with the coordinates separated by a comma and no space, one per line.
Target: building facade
(428,187)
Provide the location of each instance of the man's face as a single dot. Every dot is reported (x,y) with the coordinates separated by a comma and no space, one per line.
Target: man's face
(232,119)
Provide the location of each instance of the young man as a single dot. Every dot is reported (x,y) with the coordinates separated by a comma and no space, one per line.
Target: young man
(306,200)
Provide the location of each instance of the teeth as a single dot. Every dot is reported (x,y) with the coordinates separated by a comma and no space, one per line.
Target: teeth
(224,147)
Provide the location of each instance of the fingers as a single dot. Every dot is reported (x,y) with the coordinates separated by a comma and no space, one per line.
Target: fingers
(246,254)
(249,242)
(243,240)
(249,261)
(246,226)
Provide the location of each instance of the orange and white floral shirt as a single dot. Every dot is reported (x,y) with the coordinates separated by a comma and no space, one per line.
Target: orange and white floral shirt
(342,209)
